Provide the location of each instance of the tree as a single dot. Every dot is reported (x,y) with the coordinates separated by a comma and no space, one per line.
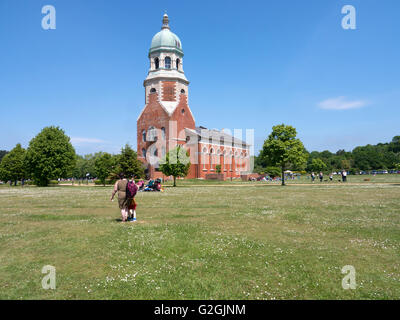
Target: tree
(318,165)
(103,165)
(273,171)
(128,163)
(50,155)
(283,149)
(218,168)
(2,154)
(85,165)
(394,146)
(12,165)
(345,164)
(176,163)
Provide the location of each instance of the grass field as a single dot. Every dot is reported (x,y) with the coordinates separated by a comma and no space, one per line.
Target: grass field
(204,241)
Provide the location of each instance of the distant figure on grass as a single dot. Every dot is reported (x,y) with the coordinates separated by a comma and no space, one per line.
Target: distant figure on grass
(140,185)
(312,176)
(123,201)
(331,177)
(344,175)
(321,176)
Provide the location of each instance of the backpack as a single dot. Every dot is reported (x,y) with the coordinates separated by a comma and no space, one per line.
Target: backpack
(131,189)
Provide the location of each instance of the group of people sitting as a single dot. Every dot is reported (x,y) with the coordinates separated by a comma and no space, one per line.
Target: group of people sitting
(153,185)
(127,190)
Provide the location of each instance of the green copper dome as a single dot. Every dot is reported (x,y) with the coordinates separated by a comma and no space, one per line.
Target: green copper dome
(165,39)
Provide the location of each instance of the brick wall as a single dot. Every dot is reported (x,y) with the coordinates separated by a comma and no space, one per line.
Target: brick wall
(168,91)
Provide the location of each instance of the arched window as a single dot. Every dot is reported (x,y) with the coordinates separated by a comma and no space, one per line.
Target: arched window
(155,153)
(157,63)
(163,133)
(236,161)
(211,158)
(144,135)
(224,160)
(218,160)
(167,63)
(144,153)
(152,132)
(152,90)
(183,111)
(177,64)
(204,158)
(183,91)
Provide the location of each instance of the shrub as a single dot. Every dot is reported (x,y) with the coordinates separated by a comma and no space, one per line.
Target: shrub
(108,182)
(273,172)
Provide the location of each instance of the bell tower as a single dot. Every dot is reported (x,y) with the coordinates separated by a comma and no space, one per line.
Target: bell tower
(162,122)
(166,76)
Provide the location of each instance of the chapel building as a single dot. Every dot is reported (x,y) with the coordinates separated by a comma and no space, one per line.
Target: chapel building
(166,119)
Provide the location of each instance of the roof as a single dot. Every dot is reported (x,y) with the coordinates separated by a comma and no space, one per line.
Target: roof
(217,136)
(165,39)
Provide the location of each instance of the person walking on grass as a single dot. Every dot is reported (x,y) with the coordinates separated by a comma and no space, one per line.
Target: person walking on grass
(344,175)
(123,201)
(321,176)
(312,177)
(131,190)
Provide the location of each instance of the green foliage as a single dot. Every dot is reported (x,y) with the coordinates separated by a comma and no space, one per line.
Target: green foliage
(345,164)
(370,157)
(103,166)
(218,168)
(283,149)
(394,146)
(85,165)
(106,182)
(176,163)
(50,155)
(128,163)
(273,171)
(318,165)
(380,156)
(12,165)
(2,154)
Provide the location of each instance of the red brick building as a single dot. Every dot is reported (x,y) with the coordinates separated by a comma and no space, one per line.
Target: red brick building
(166,120)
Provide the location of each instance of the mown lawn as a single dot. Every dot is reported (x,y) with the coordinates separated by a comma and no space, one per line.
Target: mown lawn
(233,241)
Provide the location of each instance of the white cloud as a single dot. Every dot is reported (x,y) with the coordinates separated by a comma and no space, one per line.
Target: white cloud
(341,103)
(84,141)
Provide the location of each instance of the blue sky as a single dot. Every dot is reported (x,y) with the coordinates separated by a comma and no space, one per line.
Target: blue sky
(251,65)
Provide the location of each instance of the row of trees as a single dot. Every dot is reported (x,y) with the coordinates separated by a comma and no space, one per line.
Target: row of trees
(106,166)
(50,155)
(363,158)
